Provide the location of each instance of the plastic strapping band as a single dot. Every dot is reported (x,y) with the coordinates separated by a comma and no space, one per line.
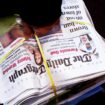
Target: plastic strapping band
(9,52)
(47,68)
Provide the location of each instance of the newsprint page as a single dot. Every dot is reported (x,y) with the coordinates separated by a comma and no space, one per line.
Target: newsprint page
(73,49)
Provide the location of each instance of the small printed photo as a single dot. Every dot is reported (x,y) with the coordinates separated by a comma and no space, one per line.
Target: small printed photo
(35,51)
(10,36)
(86,44)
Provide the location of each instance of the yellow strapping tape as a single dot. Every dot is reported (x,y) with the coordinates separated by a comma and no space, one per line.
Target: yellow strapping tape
(11,50)
(81,22)
(47,68)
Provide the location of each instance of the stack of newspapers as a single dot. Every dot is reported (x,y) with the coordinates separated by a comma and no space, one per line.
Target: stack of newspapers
(73,49)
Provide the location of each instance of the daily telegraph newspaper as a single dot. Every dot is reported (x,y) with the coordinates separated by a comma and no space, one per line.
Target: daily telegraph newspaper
(73,49)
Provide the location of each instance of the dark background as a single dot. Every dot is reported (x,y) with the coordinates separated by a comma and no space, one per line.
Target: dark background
(97,11)
(34,10)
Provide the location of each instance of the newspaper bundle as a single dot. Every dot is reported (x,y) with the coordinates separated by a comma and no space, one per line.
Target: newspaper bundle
(73,49)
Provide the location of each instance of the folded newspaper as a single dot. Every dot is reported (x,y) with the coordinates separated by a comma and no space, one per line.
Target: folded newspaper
(73,49)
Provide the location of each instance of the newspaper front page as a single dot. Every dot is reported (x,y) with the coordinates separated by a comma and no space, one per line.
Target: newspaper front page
(73,49)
